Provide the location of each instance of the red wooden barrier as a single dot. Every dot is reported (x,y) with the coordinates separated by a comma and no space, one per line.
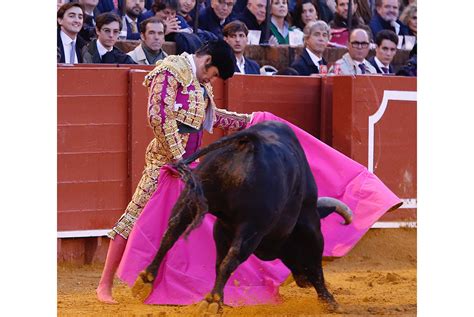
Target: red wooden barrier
(92,146)
(294,98)
(374,123)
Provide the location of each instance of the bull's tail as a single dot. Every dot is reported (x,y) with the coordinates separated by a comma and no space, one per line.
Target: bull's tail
(193,198)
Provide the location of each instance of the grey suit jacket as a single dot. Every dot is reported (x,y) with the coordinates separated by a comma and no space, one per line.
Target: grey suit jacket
(350,67)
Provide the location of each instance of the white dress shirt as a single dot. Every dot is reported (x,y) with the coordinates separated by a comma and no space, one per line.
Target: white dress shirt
(380,65)
(241,64)
(314,58)
(67,42)
(101,49)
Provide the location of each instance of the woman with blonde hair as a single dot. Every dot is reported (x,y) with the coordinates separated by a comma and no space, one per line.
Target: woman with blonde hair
(408,17)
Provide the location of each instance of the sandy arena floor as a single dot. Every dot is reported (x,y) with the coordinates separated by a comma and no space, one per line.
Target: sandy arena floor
(378,277)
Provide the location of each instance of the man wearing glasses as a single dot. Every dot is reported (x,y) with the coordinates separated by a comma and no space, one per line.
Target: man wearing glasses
(214,17)
(102,49)
(354,62)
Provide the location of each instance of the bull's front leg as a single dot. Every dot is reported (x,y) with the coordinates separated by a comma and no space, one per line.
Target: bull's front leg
(176,226)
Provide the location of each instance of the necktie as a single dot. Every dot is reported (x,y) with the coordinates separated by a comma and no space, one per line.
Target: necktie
(385,70)
(133,25)
(362,68)
(72,55)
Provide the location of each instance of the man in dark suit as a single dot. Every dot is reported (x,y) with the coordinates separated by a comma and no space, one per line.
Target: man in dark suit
(254,16)
(386,41)
(102,49)
(70,18)
(216,16)
(235,34)
(316,39)
(132,15)
(386,18)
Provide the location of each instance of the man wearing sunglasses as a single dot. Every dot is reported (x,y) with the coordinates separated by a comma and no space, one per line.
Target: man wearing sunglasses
(354,62)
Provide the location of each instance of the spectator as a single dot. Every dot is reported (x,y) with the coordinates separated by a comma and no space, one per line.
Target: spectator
(235,34)
(166,10)
(305,11)
(340,17)
(254,16)
(90,12)
(131,18)
(70,17)
(408,18)
(316,39)
(152,34)
(386,41)
(102,49)
(186,10)
(280,27)
(386,18)
(354,62)
(216,16)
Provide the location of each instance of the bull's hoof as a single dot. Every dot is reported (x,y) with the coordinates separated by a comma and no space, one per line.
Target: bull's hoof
(209,307)
(334,307)
(143,286)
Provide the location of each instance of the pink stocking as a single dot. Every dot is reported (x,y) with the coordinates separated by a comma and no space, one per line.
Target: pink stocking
(114,255)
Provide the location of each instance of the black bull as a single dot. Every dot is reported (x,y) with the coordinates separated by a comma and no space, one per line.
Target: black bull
(259,185)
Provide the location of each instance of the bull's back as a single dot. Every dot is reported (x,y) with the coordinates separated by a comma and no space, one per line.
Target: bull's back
(262,177)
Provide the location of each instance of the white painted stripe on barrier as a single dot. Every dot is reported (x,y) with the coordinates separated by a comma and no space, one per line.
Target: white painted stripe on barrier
(103,232)
(408,203)
(394,224)
(373,119)
(82,233)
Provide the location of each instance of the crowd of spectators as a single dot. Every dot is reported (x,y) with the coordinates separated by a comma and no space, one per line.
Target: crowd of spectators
(88,30)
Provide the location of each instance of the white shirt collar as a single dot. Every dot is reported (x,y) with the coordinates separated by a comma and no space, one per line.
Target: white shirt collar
(191,61)
(379,63)
(314,58)
(396,26)
(67,46)
(129,19)
(284,31)
(65,38)
(241,64)
(102,50)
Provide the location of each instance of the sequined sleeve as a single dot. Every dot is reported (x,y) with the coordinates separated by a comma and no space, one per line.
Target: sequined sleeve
(162,98)
(229,120)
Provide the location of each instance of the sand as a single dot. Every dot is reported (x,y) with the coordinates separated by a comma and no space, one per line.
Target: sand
(378,277)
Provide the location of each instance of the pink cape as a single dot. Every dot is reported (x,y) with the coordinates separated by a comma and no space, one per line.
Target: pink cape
(188,271)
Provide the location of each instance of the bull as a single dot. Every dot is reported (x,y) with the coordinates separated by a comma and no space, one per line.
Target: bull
(258,184)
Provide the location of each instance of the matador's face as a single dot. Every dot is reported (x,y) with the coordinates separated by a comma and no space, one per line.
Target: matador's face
(205,72)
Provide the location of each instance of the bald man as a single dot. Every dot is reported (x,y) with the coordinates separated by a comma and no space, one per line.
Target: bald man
(354,62)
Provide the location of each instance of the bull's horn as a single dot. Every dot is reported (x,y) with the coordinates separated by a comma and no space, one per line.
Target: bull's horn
(342,209)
